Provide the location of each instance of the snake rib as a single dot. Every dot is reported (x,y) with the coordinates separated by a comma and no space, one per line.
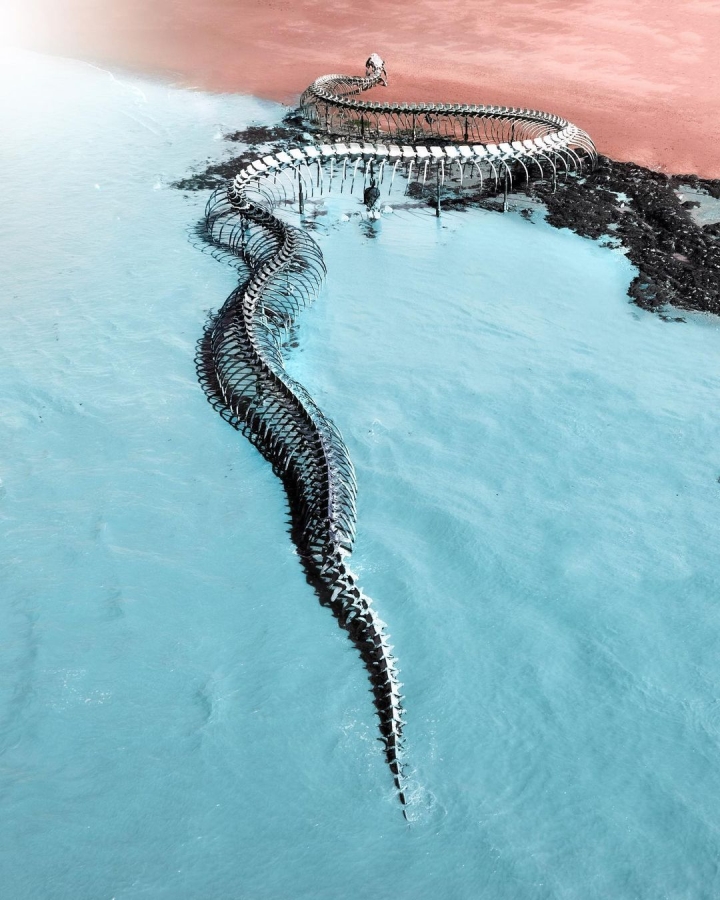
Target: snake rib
(241,354)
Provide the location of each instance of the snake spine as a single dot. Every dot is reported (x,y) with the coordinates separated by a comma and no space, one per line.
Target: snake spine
(241,354)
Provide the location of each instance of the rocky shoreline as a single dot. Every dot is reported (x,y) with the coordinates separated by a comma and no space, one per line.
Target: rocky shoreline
(678,260)
(627,205)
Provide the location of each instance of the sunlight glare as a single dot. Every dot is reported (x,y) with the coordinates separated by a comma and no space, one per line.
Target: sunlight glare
(13,27)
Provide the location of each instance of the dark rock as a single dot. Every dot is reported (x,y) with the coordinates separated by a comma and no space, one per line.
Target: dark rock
(257,138)
(678,261)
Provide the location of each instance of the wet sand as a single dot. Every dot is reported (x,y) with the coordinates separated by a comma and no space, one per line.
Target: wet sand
(641,76)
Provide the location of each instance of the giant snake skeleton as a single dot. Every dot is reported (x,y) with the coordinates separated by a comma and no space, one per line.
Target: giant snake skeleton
(240,360)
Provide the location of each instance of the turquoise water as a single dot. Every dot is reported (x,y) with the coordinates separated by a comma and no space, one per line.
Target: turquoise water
(538,474)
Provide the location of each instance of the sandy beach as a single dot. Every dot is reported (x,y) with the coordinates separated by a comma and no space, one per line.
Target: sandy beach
(643,78)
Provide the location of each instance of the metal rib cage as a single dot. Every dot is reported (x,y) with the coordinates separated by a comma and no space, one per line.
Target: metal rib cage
(328,103)
(241,365)
(241,357)
(316,169)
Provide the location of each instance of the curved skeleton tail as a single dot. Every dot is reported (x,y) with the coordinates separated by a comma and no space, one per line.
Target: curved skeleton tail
(241,367)
(367,630)
(240,360)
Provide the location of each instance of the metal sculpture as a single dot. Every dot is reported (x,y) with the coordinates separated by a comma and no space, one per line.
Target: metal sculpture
(241,359)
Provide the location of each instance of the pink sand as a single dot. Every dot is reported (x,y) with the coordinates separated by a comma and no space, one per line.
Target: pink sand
(642,77)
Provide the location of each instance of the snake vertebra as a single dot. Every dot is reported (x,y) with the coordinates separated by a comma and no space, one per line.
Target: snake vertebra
(241,361)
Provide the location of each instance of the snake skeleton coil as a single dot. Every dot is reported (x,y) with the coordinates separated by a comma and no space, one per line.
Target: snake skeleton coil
(241,366)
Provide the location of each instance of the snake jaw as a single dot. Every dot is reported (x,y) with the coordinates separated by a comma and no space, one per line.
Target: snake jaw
(375,68)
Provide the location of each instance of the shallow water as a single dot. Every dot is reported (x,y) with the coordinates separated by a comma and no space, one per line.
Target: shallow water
(538,473)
